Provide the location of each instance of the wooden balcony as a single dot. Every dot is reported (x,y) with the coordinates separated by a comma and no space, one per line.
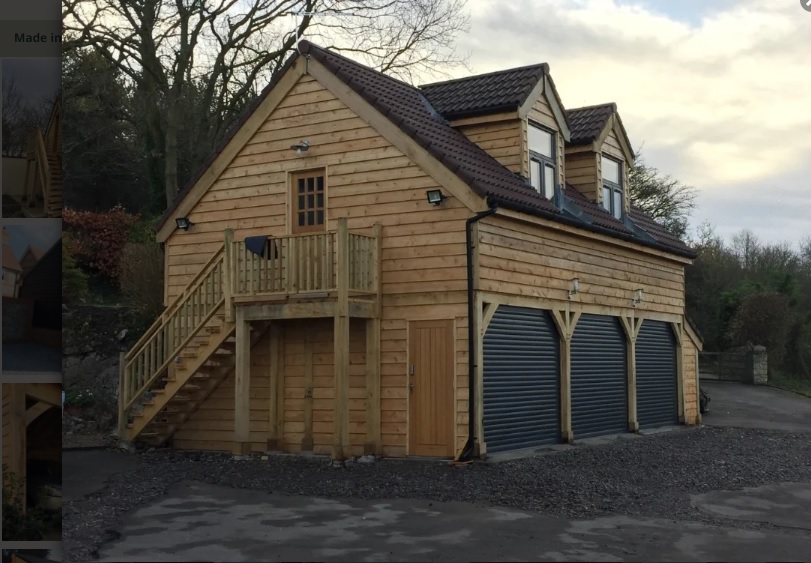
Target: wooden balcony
(314,271)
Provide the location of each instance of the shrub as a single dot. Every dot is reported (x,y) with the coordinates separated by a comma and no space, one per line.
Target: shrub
(99,238)
(28,526)
(74,280)
(141,280)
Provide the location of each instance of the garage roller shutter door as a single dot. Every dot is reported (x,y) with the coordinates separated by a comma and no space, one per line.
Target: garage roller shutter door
(599,377)
(521,381)
(656,379)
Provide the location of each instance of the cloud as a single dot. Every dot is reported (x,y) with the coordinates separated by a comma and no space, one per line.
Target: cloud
(719,99)
(41,233)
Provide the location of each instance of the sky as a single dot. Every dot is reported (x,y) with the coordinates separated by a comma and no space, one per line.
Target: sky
(35,77)
(42,233)
(717,93)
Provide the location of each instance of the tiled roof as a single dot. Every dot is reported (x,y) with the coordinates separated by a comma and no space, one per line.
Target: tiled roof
(596,214)
(587,123)
(409,108)
(657,231)
(405,106)
(485,93)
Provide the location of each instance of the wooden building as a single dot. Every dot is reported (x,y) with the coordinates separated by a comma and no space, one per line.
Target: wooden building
(42,195)
(367,267)
(32,432)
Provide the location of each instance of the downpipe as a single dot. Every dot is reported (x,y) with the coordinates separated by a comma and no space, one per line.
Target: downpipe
(469,449)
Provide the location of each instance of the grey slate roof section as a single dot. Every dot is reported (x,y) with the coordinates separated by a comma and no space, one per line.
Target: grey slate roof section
(588,122)
(484,94)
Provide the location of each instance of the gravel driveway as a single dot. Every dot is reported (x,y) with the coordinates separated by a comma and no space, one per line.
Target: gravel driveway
(652,476)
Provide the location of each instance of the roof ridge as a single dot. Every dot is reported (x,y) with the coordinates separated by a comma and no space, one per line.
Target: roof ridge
(613,105)
(306,46)
(542,66)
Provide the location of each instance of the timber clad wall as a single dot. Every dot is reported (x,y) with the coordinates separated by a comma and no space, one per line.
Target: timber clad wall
(501,139)
(690,380)
(581,172)
(513,257)
(368,181)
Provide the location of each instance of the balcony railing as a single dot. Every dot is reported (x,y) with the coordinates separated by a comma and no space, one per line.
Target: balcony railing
(304,264)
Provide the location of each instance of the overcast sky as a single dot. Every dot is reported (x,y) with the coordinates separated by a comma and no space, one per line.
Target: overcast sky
(717,92)
(36,78)
(41,233)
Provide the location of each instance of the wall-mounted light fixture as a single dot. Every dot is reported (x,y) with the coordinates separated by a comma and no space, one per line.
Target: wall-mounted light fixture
(183,223)
(303,146)
(435,197)
(637,298)
(575,288)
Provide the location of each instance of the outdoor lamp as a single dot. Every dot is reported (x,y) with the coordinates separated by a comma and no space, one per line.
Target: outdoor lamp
(435,197)
(183,223)
(637,298)
(575,287)
(303,146)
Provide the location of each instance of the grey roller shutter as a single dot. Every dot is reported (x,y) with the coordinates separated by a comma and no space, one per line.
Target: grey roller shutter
(521,380)
(599,377)
(656,379)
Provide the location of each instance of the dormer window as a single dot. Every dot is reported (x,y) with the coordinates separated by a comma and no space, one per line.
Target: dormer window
(542,169)
(612,187)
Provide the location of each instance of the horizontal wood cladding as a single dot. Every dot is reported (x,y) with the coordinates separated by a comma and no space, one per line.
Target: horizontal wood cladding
(530,261)
(542,114)
(582,173)
(368,181)
(691,392)
(501,139)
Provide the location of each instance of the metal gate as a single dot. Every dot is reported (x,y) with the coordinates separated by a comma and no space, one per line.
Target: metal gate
(657,398)
(521,380)
(599,377)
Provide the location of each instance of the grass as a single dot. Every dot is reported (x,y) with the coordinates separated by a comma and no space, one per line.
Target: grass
(790,383)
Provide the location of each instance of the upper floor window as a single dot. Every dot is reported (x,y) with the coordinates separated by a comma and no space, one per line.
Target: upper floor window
(309,205)
(542,168)
(612,187)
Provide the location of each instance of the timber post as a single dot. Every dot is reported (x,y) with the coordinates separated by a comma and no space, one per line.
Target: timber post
(341,343)
(242,386)
(122,397)
(228,278)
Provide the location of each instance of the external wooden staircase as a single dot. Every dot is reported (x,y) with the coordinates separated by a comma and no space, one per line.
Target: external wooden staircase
(207,332)
(43,182)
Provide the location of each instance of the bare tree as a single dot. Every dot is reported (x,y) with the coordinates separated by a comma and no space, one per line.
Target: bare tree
(661,196)
(22,116)
(225,50)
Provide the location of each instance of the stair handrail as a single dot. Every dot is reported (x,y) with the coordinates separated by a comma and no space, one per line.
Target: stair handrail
(41,159)
(188,290)
(162,363)
(185,342)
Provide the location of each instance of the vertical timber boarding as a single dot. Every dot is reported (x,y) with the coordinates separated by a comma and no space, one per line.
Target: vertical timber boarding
(431,388)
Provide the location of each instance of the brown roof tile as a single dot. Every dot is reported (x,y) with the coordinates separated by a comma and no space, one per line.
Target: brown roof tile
(658,232)
(484,93)
(410,110)
(588,122)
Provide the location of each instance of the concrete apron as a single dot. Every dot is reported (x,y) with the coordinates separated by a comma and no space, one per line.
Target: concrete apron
(196,521)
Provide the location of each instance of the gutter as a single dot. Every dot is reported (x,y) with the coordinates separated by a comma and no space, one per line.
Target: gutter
(469,450)
(561,218)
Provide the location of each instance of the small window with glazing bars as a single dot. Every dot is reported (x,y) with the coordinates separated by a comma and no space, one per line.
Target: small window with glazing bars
(309,201)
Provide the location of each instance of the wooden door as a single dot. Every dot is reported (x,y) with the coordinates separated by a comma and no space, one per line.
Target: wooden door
(430,379)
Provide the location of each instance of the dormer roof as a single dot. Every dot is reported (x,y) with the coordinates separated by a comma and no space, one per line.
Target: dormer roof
(484,94)
(592,124)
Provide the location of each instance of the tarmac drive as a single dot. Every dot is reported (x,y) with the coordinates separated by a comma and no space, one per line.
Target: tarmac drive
(200,522)
(756,406)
